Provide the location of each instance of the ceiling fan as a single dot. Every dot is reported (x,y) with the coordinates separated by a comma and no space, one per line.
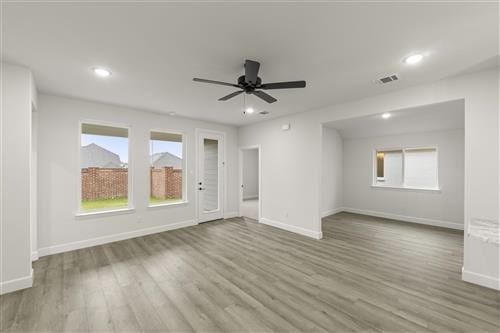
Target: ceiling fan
(250,83)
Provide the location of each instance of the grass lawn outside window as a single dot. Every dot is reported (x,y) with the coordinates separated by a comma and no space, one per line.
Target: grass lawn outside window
(90,205)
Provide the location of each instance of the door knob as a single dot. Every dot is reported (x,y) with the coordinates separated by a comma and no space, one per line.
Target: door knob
(201,188)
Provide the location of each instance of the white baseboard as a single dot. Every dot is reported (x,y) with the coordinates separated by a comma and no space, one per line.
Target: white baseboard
(480,279)
(249,197)
(16,284)
(34,255)
(420,220)
(112,238)
(331,212)
(229,215)
(291,228)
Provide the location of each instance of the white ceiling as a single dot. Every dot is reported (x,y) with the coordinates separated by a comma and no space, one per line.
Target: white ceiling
(155,49)
(428,118)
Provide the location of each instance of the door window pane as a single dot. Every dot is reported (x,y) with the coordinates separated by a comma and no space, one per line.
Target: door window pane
(211,175)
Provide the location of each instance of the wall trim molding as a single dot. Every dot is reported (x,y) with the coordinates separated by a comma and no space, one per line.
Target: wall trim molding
(16,284)
(412,219)
(60,248)
(291,228)
(229,215)
(481,279)
(331,212)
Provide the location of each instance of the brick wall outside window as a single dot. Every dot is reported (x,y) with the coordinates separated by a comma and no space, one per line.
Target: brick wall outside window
(166,183)
(110,183)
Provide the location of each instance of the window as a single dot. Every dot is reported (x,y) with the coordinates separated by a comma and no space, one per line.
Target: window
(390,167)
(166,168)
(104,172)
(407,168)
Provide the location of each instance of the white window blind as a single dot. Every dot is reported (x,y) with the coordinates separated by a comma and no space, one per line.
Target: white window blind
(393,168)
(420,168)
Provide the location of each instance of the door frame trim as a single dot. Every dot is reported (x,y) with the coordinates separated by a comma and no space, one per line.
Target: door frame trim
(198,131)
(240,177)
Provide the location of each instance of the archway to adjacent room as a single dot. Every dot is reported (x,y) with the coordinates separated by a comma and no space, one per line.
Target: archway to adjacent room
(405,165)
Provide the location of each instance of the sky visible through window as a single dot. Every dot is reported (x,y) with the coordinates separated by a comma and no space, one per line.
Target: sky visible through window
(119,145)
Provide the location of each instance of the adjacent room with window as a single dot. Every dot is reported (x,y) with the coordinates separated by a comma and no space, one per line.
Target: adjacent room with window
(201,166)
(406,165)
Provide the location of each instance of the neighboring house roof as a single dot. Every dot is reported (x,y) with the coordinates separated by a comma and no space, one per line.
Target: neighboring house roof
(95,156)
(161,160)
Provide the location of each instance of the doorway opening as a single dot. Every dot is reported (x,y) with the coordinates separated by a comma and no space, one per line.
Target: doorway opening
(250,175)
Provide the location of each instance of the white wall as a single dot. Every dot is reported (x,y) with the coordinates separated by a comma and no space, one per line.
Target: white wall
(18,96)
(444,208)
(296,205)
(331,171)
(250,173)
(59,228)
(290,172)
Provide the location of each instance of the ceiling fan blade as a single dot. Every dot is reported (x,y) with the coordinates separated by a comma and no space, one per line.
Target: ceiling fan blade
(284,85)
(231,95)
(215,82)
(264,96)
(251,71)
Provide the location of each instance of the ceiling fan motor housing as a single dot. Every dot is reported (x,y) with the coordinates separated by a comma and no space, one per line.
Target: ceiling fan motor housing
(248,86)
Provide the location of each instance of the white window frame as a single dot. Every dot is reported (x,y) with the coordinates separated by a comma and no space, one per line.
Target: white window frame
(130,201)
(375,179)
(184,168)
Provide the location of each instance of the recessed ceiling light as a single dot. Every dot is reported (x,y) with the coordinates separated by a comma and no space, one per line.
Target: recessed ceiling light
(386,115)
(173,113)
(249,110)
(413,59)
(101,71)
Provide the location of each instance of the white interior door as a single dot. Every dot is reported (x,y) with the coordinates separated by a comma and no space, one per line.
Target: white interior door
(210,175)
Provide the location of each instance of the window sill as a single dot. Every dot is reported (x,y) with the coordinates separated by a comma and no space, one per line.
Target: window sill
(404,188)
(110,212)
(169,204)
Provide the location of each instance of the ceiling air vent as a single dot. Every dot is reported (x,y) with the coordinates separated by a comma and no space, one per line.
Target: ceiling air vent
(387,79)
